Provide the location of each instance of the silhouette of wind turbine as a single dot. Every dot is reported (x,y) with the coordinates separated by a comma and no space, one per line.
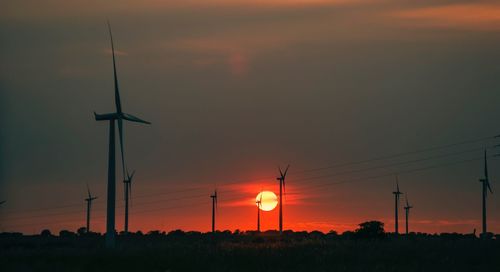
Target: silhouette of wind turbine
(281,179)
(214,209)
(396,205)
(407,212)
(89,207)
(486,186)
(118,116)
(128,194)
(259,205)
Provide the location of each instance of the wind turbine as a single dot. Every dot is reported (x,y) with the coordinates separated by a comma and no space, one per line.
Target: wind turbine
(486,187)
(396,205)
(128,194)
(259,205)
(281,179)
(407,212)
(214,209)
(89,206)
(118,116)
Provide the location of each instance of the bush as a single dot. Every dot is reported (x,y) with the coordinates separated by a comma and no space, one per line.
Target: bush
(370,229)
(66,233)
(46,233)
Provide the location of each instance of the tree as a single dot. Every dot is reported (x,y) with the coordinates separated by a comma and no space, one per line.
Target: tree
(370,229)
(66,233)
(45,233)
(82,231)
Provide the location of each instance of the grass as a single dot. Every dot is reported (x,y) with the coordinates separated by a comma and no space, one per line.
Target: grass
(248,252)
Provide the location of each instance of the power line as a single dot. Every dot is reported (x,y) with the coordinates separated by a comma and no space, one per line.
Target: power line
(309,187)
(301,179)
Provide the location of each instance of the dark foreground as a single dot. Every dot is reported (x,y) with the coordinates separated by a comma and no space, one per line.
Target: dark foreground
(180,251)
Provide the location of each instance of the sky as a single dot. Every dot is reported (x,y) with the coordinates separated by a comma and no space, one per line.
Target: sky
(235,89)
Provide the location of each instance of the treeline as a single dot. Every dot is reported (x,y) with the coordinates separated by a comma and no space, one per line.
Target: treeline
(366,230)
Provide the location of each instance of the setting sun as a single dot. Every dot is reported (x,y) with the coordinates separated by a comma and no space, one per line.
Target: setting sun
(268,200)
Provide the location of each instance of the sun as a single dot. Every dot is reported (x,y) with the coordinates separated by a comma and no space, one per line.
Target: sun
(268,200)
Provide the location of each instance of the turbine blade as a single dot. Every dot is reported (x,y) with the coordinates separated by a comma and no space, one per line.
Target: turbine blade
(397,184)
(488,184)
(125,191)
(120,132)
(485,166)
(130,117)
(130,192)
(106,116)
(286,170)
(281,173)
(88,190)
(117,92)
(284,188)
(131,176)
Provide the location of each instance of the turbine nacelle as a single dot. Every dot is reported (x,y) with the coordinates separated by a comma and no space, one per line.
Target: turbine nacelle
(119,116)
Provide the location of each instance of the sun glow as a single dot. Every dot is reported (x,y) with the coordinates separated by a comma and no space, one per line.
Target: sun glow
(268,200)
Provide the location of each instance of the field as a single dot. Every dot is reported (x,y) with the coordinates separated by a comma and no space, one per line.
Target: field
(225,251)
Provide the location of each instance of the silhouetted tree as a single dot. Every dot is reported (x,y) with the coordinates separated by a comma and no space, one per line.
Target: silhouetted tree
(315,234)
(66,233)
(155,233)
(82,231)
(348,234)
(46,233)
(370,229)
(487,235)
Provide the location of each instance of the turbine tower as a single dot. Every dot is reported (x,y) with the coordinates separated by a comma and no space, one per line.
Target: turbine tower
(128,194)
(281,179)
(89,207)
(486,187)
(407,212)
(214,209)
(397,193)
(118,116)
(259,205)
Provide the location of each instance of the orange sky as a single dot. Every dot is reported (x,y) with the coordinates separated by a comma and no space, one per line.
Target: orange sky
(235,88)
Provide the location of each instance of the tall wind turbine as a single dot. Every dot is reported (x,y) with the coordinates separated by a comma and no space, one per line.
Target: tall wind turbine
(214,209)
(281,179)
(486,187)
(407,212)
(128,194)
(397,193)
(118,116)
(259,205)
(89,207)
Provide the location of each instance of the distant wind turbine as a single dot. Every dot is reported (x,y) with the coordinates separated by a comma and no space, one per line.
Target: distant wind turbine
(397,193)
(118,116)
(128,194)
(89,207)
(486,187)
(214,209)
(281,179)
(259,205)
(407,212)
